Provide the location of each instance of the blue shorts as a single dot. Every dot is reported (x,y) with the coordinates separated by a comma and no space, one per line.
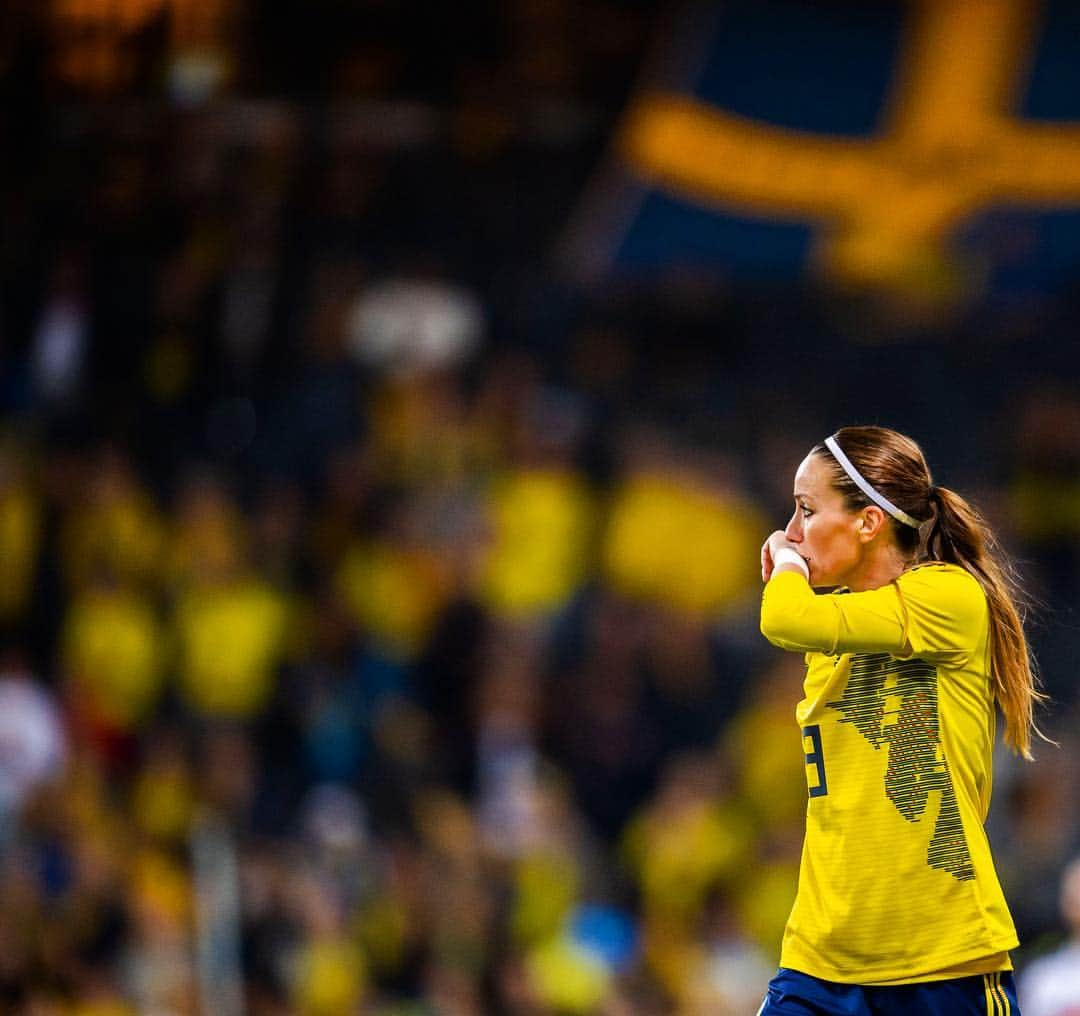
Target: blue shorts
(795,994)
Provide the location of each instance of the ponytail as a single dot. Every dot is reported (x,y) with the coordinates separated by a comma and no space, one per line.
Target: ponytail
(957,534)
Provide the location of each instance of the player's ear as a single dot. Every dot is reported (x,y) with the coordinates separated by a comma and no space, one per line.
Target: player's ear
(869,523)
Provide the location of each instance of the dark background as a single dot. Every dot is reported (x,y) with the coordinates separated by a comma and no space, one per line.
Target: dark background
(372,564)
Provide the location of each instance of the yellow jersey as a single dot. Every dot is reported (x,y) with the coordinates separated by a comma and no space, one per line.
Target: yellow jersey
(896,882)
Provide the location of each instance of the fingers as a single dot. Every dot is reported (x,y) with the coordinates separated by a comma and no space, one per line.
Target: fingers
(775,541)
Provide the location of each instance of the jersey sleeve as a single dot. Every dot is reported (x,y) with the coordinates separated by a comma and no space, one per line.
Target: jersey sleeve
(947,613)
(935,612)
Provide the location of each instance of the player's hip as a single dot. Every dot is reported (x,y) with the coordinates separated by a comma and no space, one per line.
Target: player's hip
(792,993)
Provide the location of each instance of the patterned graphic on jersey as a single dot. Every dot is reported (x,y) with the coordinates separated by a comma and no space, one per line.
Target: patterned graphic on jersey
(910,730)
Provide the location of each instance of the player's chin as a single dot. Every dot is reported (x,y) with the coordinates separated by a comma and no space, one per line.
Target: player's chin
(822,580)
(817,578)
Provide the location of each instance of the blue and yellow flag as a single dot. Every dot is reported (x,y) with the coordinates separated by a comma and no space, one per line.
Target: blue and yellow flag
(877,143)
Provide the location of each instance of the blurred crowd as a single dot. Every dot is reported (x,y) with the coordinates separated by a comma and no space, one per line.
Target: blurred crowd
(379,613)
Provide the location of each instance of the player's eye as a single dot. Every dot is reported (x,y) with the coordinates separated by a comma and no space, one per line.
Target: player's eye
(806,512)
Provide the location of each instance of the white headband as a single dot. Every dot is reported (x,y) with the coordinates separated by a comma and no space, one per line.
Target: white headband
(859,480)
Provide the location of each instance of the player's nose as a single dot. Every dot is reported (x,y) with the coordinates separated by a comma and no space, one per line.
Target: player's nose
(793,532)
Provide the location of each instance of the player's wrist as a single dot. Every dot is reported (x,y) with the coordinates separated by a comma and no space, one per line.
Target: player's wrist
(785,556)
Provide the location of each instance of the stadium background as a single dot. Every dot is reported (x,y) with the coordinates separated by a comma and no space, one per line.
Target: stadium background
(394,399)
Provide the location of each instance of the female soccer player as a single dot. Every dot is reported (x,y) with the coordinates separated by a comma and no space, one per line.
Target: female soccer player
(915,640)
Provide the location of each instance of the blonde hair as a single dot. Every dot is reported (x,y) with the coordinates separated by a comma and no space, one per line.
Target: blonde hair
(954,532)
